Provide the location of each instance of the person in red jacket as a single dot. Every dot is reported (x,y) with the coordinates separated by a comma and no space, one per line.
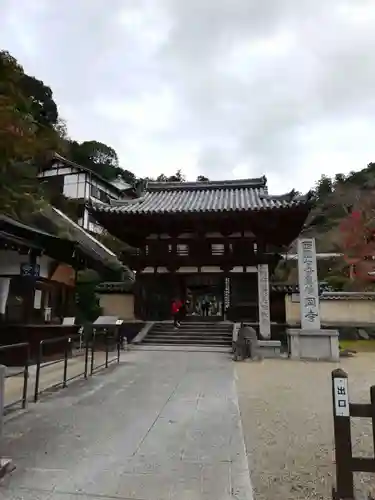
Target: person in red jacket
(176,308)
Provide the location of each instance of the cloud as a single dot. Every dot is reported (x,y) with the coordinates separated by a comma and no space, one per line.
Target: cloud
(227,89)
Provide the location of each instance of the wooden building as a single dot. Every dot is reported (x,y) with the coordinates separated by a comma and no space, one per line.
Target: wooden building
(64,177)
(212,243)
(38,270)
(37,282)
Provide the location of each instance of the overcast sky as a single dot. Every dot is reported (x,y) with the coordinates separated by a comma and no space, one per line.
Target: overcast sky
(224,88)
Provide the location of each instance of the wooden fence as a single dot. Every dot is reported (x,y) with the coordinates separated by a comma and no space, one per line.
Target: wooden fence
(343,411)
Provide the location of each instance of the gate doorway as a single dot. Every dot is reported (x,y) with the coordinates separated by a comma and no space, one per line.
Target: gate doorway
(204,297)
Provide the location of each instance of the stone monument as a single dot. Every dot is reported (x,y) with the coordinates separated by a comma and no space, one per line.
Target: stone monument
(311,341)
(264,302)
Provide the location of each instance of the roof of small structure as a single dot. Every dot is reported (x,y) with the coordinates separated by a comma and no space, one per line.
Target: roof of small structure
(75,240)
(25,235)
(92,249)
(212,196)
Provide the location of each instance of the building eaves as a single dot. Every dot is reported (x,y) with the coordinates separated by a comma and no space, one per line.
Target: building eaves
(28,235)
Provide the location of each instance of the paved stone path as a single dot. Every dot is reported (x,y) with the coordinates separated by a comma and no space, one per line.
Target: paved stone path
(162,425)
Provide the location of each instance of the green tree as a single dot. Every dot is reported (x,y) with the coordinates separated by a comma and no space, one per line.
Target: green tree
(96,156)
(23,142)
(43,107)
(128,176)
(339,179)
(177,177)
(87,301)
(324,187)
(100,154)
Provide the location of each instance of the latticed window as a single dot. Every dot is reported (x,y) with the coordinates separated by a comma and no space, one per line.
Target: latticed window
(217,249)
(182,249)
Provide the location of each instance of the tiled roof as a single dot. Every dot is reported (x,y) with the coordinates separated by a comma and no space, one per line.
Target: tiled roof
(294,288)
(33,237)
(284,288)
(214,196)
(348,296)
(324,294)
(97,255)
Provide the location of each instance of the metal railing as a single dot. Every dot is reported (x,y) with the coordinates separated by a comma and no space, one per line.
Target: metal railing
(24,372)
(70,353)
(73,347)
(97,342)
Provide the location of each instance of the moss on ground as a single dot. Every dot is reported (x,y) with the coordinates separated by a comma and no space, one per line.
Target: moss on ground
(358,345)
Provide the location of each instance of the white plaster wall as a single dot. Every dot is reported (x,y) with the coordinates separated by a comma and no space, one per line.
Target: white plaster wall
(74,185)
(334,311)
(44,261)
(10,262)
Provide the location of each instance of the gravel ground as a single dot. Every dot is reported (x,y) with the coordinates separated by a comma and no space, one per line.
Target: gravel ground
(286,410)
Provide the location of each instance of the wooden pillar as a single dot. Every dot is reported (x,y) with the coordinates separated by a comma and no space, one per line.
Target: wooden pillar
(264,301)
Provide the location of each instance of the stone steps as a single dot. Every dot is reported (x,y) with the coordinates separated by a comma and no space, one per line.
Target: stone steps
(182,331)
(193,334)
(194,338)
(190,332)
(174,341)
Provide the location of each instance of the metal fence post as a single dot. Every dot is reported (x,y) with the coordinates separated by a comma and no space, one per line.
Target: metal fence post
(342,432)
(92,351)
(66,354)
(3,370)
(26,378)
(372,396)
(37,375)
(106,347)
(86,356)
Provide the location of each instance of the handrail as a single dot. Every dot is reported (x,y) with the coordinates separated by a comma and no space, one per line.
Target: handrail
(97,333)
(68,341)
(90,346)
(24,372)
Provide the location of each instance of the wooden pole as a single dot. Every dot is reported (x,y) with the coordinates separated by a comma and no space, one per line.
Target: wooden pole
(342,432)
(372,396)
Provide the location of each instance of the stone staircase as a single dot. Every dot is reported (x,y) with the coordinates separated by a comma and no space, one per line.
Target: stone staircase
(202,334)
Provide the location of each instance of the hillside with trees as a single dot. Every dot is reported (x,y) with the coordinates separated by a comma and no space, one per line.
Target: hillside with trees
(342,222)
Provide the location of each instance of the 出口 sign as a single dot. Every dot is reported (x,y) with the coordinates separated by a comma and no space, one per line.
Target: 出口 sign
(308,284)
(340,389)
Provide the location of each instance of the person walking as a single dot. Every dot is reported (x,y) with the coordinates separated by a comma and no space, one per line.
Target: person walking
(176,308)
(205,307)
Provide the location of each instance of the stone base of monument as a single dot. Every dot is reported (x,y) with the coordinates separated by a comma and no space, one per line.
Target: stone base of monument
(269,348)
(318,345)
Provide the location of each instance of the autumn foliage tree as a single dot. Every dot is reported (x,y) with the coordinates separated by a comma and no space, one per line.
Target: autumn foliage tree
(357,242)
